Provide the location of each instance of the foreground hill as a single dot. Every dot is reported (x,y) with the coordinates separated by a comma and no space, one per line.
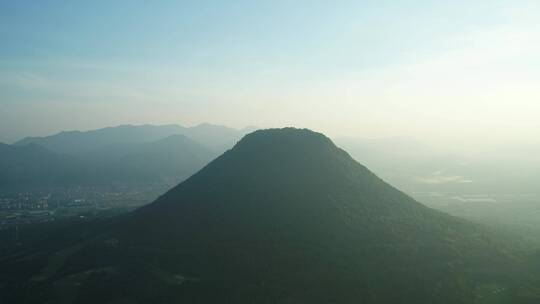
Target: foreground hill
(283,217)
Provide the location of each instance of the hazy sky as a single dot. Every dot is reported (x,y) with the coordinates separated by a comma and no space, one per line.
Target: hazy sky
(435,70)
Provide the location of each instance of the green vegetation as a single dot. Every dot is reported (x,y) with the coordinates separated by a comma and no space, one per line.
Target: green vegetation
(283,217)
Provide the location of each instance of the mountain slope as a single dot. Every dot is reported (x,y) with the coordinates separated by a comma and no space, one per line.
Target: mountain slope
(285,217)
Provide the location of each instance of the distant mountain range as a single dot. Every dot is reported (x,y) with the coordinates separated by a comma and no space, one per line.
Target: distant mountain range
(283,217)
(411,165)
(123,155)
(214,137)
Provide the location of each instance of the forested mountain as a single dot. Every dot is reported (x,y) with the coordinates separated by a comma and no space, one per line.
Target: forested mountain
(32,165)
(215,137)
(169,160)
(74,142)
(283,217)
(175,157)
(122,155)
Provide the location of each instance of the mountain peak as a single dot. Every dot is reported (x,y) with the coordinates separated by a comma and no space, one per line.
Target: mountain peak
(289,142)
(296,167)
(288,135)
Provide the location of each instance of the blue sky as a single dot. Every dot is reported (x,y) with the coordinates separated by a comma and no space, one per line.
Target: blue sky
(427,69)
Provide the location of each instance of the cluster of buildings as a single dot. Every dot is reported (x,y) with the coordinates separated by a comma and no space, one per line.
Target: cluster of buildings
(24,204)
(47,205)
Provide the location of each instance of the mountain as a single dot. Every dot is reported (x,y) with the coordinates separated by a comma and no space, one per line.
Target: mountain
(168,160)
(217,138)
(122,155)
(32,165)
(175,157)
(74,142)
(283,217)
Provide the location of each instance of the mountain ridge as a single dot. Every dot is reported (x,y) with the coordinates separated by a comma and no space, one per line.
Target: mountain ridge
(215,137)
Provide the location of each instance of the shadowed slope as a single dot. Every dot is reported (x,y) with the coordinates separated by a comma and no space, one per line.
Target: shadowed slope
(287,217)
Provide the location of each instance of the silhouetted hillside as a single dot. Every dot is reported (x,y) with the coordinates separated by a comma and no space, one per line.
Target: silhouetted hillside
(284,217)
